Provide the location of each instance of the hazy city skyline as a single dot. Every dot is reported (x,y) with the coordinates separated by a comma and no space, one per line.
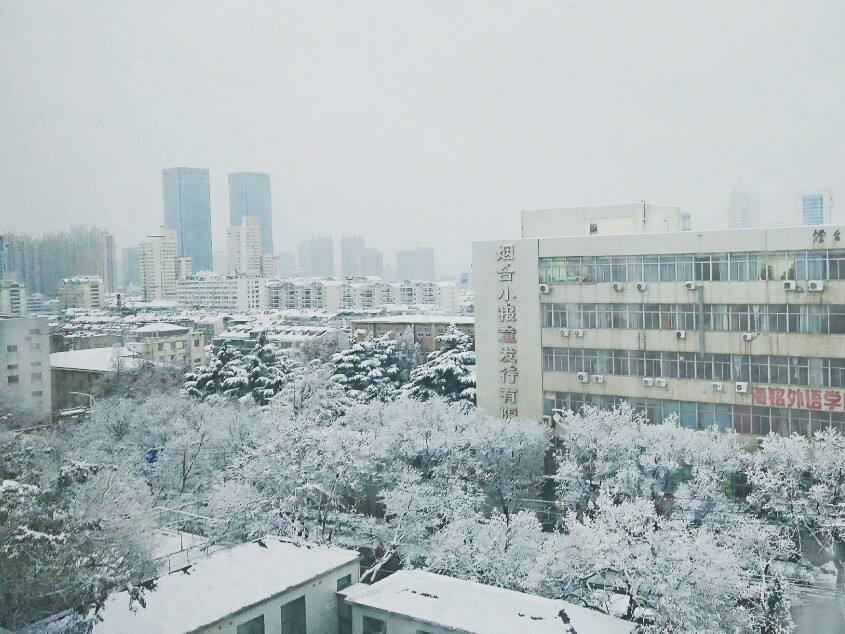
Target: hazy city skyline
(416,124)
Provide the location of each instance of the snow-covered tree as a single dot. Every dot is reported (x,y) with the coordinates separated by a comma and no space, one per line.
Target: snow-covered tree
(368,370)
(778,618)
(449,372)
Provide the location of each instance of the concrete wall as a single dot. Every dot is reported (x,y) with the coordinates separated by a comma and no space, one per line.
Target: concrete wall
(25,360)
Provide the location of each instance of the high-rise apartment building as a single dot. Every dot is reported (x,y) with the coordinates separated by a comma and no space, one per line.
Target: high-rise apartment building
(741,329)
(187,208)
(249,195)
(159,262)
(814,207)
(81,292)
(2,258)
(350,255)
(13,299)
(42,263)
(743,208)
(25,350)
(131,266)
(243,247)
(316,257)
(372,262)
(415,264)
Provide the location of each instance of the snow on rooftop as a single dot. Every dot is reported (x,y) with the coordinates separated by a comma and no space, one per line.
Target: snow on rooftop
(93,359)
(420,319)
(216,587)
(159,327)
(467,606)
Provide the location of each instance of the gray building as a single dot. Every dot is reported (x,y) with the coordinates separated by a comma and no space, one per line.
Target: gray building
(351,248)
(415,264)
(187,208)
(249,195)
(372,262)
(25,348)
(316,257)
(131,266)
(813,208)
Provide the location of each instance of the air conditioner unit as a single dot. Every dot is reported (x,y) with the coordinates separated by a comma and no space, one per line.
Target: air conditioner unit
(680,334)
(618,286)
(790,285)
(741,387)
(578,332)
(691,286)
(583,377)
(641,286)
(659,382)
(815,286)
(648,382)
(747,336)
(564,332)
(545,289)
(598,378)
(717,386)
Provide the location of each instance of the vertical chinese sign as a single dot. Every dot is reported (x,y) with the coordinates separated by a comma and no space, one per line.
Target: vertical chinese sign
(506,312)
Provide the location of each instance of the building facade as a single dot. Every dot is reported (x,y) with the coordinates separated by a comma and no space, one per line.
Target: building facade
(372,262)
(159,263)
(81,292)
(351,248)
(316,257)
(13,299)
(415,264)
(25,365)
(425,328)
(243,247)
(249,195)
(131,266)
(168,343)
(187,209)
(227,293)
(742,329)
(814,207)
(743,208)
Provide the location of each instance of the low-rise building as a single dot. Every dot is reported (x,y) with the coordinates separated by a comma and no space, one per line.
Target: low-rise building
(25,360)
(269,586)
(425,328)
(74,373)
(81,292)
(13,301)
(419,602)
(168,343)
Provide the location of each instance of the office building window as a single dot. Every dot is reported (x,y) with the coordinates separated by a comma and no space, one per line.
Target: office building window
(11,348)
(13,379)
(35,377)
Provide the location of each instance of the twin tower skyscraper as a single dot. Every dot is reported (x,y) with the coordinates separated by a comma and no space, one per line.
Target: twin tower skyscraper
(187,208)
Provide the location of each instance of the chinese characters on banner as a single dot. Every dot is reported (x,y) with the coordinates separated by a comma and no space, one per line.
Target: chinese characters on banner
(506,313)
(799,398)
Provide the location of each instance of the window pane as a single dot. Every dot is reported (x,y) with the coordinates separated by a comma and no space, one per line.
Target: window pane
(374,626)
(253,626)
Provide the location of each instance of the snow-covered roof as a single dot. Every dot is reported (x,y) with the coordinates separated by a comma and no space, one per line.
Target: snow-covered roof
(93,359)
(466,606)
(159,327)
(224,583)
(462,320)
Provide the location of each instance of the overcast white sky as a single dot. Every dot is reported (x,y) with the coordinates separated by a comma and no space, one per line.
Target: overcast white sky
(416,123)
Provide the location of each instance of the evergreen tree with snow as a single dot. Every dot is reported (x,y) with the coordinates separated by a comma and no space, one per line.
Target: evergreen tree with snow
(449,371)
(368,370)
(778,618)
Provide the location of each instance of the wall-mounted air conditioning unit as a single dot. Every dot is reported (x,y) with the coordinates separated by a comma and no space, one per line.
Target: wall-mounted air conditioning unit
(564,332)
(545,289)
(815,286)
(578,332)
(648,381)
(790,285)
(660,382)
(641,286)
(748,336)
(691,286)
(680,334)
(618,286)
(741,387)
(598,378)
(717,386)
(583,377)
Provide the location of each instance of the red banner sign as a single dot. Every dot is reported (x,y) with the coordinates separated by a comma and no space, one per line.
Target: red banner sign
(799,398)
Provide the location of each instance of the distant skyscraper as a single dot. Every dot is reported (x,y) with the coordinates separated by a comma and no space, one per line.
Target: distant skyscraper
(743,208)
(316,257)
(372,262)
(350,255)
(415,264)
(187,208)
(243,246)
(159,263)
(287,263)
(813,208)
(249,195)
(131,266)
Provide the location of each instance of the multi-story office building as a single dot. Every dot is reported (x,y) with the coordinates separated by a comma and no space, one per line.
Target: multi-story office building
(42,263)
(424,328)
(249,195)
(187,208)
(131,266)
(81,292)
(415,264)
(13,299)
(743,329)
(159,264)
(372,263)
(351,248)
(226,293)
(25,365)
(243,247)
(316,257)
(814,207)
(361,294)
(743,208)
